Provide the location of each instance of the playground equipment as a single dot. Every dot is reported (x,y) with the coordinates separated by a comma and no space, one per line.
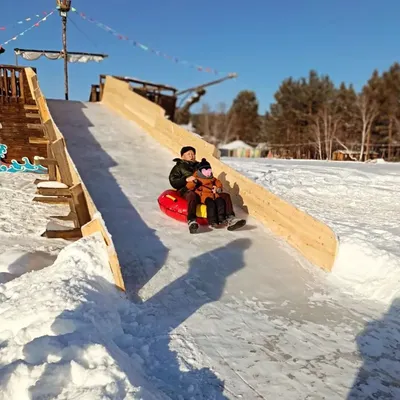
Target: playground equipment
(163,95)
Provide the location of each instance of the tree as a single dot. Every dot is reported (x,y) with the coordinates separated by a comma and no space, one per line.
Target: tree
(379,125)
(244,112)
(223,123)
(326,108)
(204,123)
(286,122)
(368,110)
(390,103)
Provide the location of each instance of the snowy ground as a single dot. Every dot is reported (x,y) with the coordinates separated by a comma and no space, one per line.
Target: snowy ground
(214,316)
(21,224)
(360,201)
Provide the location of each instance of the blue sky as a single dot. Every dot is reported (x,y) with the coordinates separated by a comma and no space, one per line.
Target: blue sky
(264,41)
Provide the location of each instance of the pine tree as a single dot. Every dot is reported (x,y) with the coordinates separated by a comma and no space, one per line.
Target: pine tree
(244,114)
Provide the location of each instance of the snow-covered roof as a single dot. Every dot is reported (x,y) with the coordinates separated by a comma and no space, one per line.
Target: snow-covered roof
(236,144)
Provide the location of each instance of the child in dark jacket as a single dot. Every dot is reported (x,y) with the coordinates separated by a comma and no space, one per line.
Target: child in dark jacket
(207,187)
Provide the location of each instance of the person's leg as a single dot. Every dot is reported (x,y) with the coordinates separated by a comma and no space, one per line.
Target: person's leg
(228,204)
(231,220)
(221,209)
(211,211)
(192,201)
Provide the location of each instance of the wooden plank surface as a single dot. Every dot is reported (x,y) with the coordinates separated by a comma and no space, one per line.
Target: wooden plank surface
(59,153)
(83,210)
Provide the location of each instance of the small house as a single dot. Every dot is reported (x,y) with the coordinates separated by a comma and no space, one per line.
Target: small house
(237,148)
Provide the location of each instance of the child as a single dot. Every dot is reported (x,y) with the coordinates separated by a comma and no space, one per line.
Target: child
(208,189)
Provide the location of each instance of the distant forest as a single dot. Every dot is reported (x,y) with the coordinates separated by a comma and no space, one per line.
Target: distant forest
(311,118)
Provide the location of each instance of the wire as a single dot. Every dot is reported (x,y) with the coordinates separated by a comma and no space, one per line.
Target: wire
(142,46)
(21,22)
(36,25)
(82,32)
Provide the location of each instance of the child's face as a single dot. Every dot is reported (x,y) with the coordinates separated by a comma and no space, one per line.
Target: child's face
(206,172)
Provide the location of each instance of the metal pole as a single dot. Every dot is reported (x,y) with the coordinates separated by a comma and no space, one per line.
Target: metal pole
(64,40)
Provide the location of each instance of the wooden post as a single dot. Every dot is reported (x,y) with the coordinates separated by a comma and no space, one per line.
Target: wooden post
(64,6)
(64,40)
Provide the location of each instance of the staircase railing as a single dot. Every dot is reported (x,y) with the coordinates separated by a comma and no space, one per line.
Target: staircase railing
(12,84)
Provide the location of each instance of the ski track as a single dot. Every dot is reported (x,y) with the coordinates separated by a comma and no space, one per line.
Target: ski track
(222,315)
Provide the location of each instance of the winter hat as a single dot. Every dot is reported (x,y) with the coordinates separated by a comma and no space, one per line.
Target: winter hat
(185,149)
(204,165)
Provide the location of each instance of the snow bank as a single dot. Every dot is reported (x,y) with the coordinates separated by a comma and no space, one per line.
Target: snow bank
(59,329)
(359,201)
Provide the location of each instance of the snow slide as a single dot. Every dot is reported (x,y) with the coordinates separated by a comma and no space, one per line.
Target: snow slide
(219,315)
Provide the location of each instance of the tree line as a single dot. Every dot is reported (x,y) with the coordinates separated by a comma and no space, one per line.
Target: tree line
(311,117)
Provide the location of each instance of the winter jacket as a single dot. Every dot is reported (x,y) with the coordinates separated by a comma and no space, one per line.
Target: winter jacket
(203,187)
(182,170)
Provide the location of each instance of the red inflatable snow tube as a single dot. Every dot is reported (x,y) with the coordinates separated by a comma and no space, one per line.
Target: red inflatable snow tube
(175,206)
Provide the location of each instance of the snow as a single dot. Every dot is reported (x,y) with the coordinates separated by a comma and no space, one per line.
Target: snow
(58,226)
(219,315)
(60,329)
(22,221)
(359,201)
(52,185)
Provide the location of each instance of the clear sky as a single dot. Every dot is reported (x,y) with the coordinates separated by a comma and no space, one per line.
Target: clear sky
(264,41)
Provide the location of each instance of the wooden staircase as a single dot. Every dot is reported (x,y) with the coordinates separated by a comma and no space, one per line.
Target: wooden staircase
(20,127)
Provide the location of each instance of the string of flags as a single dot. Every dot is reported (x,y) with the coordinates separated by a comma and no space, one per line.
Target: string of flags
(35,25)
(142,46)
(21,22)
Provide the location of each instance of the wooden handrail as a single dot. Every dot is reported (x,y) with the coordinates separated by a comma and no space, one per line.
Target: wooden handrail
(12,88)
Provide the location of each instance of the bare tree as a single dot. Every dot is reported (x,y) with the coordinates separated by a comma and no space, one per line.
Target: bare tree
(220,121)
(368,110)
(317,134)
(204,122)
(325,127)
(349,152)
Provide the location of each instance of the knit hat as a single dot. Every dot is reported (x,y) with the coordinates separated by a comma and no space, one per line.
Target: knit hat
(204,169)
(203,164)
(185,149)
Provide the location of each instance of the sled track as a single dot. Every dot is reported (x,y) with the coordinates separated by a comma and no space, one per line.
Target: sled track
(125,171)
(230,298)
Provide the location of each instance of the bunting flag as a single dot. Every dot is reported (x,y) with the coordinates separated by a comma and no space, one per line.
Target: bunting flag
(35,25)
(21,22)
(143,47)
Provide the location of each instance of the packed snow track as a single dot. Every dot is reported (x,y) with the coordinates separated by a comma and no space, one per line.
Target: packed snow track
(223,315)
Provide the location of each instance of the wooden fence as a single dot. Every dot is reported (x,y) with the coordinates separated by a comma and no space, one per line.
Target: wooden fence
(65,185)
(12,84)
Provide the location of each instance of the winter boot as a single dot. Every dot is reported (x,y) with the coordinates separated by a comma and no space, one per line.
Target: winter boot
(193,226)
(234,223)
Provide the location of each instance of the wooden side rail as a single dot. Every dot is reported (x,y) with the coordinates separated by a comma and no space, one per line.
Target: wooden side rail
(65,186)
